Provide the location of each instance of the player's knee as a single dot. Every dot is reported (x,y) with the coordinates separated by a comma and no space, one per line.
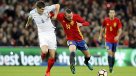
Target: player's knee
(86,53)
(44,52)
(72,48)
(111,53)
(44,49)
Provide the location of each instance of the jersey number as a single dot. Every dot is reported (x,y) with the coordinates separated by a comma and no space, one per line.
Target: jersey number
(111,29)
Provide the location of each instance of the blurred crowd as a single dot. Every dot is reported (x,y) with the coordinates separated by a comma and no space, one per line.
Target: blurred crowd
(14,13)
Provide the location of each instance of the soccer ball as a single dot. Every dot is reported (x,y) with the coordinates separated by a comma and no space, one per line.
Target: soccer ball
(102,72)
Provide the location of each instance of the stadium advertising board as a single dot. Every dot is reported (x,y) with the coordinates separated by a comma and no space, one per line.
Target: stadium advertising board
(31,57)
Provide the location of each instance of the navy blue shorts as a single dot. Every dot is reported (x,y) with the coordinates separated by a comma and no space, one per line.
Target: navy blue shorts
(111,46)
(80,45)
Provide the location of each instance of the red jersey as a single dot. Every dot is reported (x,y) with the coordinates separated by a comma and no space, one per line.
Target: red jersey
(111,28)
(71,28)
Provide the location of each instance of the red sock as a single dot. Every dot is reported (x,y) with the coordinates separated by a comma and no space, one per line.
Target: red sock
(43,55)
(51,62)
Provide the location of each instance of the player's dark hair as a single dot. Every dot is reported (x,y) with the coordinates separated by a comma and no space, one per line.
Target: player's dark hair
(40,4)
(68,11)
(110,10)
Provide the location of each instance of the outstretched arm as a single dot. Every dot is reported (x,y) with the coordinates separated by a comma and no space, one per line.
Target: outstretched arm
(57,7)
(28,21)
(81,21)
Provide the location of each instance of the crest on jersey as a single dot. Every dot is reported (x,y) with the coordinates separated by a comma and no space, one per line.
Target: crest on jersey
(72,23)
(115,24)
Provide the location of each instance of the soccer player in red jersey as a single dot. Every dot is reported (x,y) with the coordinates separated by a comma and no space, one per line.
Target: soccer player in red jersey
(71,23)
(113,30)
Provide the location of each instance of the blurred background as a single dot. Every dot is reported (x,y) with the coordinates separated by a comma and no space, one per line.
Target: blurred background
(19,46)
(14,13)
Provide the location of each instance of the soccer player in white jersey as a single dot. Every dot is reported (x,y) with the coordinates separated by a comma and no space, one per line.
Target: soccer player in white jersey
(46,34)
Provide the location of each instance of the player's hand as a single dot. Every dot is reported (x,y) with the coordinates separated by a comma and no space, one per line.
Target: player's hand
(116,38)
(100,38)
(79,24)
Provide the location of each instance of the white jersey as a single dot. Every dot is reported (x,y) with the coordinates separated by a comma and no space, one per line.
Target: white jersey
(45,27)
(43,21)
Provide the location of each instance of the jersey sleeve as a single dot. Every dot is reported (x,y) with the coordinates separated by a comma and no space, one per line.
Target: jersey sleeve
(81,20)
(50,8)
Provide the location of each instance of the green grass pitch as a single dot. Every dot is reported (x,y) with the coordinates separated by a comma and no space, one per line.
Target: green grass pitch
(62,71)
